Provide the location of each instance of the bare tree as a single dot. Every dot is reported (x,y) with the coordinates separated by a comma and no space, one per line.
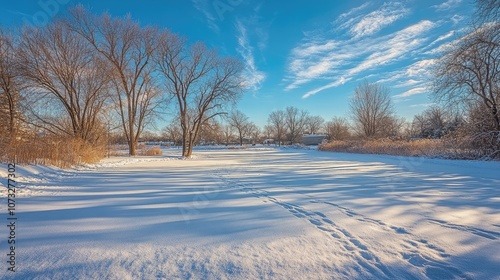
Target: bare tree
(338,128)
(129,49)
(371,106)
(314,124)
(469,73)
(9,86)
(212,132)
(268,132)
(201,81)
(392,126)
(228,133)
(432,123)
(150,136)
(239,121)
(173,132)
(255,133)
(295,120)
(67,82)
(277,123)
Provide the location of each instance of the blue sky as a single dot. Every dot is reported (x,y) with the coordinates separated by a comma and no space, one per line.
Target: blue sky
(307,54)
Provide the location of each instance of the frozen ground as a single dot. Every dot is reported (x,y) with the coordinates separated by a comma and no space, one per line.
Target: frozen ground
(257,214)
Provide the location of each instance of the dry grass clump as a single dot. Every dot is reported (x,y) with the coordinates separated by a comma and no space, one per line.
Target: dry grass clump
(420,147)
(448,147)
(152,151)
(51,150)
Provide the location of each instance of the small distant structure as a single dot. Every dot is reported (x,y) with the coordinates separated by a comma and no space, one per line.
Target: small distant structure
(314,139)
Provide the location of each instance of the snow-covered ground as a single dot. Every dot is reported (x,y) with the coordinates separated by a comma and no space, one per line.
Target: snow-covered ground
(257,213)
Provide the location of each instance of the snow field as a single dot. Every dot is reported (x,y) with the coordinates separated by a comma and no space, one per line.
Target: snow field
(260,213)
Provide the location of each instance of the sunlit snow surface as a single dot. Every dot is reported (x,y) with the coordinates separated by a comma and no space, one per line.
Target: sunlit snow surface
(257,213)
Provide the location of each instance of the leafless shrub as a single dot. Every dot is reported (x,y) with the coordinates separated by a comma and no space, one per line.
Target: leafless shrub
(338,128)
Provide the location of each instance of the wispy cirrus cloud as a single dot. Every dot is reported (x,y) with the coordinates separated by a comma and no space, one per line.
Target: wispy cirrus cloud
(443,37)
(252,75)
(424,105)
(421,68)
(349,19)
(447,5)
(378,19)
(456,19)
(343,60)
(216,11)
(204,7)
(415,78)
(396,47)
(336,83)
(365,42)
(413,91)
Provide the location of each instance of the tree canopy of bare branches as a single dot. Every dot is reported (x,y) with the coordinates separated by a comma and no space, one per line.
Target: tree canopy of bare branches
(128,48)
(470,71)
(295,121)
(173,132)
(487,10)
(67,81)
(239,121)
(9,86)
(201,81)
(434,122)
(338,128)
(277,125)
(371,107)
(314,124)
(212,132)
(468,76)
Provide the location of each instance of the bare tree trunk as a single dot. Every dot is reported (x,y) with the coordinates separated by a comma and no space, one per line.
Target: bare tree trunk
(185,142)
(496,118)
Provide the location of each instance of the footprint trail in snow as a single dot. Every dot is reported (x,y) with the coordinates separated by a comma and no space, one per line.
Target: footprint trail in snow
(418,253)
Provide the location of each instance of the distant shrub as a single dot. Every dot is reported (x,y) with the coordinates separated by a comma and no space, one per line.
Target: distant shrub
(237,147)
